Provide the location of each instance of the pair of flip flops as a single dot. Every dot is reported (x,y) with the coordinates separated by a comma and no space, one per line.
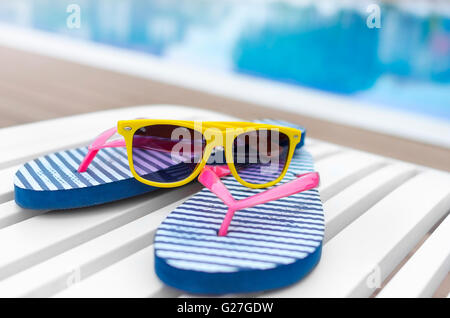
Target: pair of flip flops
(267,246)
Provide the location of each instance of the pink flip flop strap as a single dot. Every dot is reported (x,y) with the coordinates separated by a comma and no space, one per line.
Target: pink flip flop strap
(212,181)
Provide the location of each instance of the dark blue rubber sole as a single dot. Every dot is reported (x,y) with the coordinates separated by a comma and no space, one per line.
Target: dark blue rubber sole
(236,282)
(81,197)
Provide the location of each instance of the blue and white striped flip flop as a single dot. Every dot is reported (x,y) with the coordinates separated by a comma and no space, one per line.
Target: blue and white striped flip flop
(53,182)
(267,246)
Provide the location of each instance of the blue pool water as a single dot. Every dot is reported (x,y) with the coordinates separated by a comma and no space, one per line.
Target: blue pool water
(404,65)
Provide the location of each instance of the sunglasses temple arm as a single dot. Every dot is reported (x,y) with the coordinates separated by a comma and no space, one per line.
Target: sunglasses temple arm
(99,143)
(304,182)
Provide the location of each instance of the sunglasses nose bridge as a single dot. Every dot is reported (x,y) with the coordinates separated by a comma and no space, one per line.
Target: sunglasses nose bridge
(214,138)
(208,151)
(214,154)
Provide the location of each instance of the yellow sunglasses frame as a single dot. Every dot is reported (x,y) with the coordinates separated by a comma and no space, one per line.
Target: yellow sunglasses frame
(224,134)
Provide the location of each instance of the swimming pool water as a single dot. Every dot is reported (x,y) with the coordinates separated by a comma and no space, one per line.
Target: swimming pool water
(404,65)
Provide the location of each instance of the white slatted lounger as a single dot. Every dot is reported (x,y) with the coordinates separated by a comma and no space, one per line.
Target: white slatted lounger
(377,210)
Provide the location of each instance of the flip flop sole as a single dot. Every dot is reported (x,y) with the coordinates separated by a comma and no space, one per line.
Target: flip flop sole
(268,246)
(52,181)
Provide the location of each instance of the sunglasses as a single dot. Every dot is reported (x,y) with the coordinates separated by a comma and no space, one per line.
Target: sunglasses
(171,153)
(210,178)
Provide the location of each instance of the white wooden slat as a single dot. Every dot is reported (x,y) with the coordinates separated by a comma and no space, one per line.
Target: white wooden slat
(358,259)
(312,142)
(341,170)
(132,277)
(31,140)
(309,142)
(425,270)
(56,274)
(7,183)
(11,213)
(349,204)
(322,150)
(39,238)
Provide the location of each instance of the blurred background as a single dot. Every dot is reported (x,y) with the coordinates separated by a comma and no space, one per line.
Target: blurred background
(403,64)
(392,54)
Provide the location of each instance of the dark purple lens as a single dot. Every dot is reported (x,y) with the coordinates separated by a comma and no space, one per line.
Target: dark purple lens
(260,156)
(166,153)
